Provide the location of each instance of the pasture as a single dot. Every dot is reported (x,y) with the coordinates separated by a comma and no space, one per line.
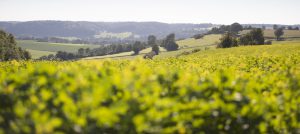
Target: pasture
(44,48)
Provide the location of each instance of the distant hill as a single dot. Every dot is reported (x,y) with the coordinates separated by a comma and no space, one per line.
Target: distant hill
(84,29)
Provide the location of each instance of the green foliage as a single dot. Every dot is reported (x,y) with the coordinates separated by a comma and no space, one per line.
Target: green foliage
(227,41)
(254,37)
(151,40)
(169,43)
(155,48)
(238,90)
(137,47)
(153,44)
(9,49)
(236,27)
(275,27)
(269,34)
(278,33)
(233,28)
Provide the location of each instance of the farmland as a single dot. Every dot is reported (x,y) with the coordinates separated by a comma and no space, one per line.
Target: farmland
(44,48)
(287,33)
(39,49)
(38,53)
(251,89)
(185,45)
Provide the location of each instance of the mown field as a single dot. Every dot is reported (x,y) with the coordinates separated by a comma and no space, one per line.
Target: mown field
(39,49)
(252,89)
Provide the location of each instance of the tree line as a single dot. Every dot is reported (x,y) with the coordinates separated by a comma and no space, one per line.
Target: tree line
(232,38)
(76,40)
(275,27)
(254,37)
(233,28)
(9,49)
(169,43)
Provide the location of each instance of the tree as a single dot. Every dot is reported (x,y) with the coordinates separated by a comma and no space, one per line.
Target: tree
(221,30)
(26,55)
(9,49)
(227,41)
(236,27)
(62,55)
(51,57)
(81,52)
(275,27)
(278,33)
(296,28)
(257,36)
(155,48)
(254,37)
(290,28)
(263,27)
(151,40)
(246,39)
(87,50)
(169,43)
(153,44)
(137,46)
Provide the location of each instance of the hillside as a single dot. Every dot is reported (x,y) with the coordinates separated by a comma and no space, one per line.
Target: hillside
(84,30)
(252,89)
(184,46)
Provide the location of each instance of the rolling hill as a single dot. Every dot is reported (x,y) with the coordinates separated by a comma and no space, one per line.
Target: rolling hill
(185,45)
(84,29)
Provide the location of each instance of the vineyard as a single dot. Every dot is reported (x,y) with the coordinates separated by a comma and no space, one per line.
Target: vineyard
(251,89)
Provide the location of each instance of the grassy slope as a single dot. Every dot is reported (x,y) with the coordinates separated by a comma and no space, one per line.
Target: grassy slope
(205,41)
(36,53)
(261,50)
(44,48)
(184,45)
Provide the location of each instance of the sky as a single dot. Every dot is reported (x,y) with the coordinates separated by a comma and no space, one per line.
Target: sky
(169,11)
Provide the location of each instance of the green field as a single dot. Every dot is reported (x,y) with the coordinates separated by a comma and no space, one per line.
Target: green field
(187,45)
(209,41)
(44,48)
(39,49)
(287,33)
(37,53)
(251,89)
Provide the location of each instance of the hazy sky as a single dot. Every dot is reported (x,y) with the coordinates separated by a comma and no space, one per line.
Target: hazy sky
(170,11)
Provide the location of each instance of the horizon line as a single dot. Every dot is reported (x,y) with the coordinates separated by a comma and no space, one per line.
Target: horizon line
(141,22)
